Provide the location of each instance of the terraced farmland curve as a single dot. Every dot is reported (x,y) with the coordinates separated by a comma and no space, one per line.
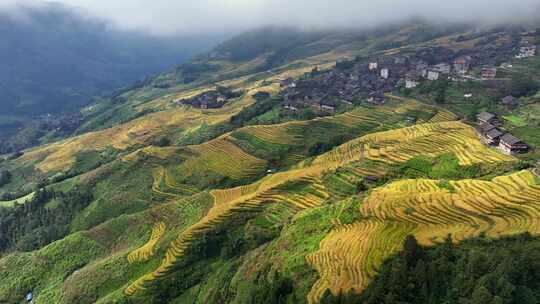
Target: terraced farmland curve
(250,197)
(430,139)
(223,156)
(350,255)
(236,200)
(146,251)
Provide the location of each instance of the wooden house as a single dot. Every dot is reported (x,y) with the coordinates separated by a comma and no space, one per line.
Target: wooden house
(486,117)
(492,137)
(510,102)
(485,127)
(510,144)
(489,72)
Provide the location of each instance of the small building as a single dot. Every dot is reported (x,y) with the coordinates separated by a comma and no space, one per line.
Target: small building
(433,74)
(410,119)
(462,64)
(489,72)
(290,107)
(411,83)
(221,99)
(443,68)
(526,51)
(385,73)
(412,79)
(29,297)
(421,67)
(486,117)
(287,83)
(485,127)
(510,144)
(373,65)
(492,136)
(376,98)
(510,102)
(328,108)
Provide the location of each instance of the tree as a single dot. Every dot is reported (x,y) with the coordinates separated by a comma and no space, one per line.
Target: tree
(481,295)
(411,250)
(5,178)
(522,85)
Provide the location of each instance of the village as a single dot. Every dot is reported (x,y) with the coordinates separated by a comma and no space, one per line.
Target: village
(210,99)
(370,79)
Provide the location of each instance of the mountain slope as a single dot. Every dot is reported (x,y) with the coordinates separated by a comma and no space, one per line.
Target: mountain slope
(171,196)
(56,60)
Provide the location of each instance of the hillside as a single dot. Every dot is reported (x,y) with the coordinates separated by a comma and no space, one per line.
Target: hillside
(67,59)
(286,173)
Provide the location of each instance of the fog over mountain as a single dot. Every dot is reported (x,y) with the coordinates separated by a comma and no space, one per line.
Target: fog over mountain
(236,15)
(54,58)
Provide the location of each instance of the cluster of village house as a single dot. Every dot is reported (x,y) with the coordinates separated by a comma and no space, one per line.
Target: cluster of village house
(491,134)
(373,78)
(207,100)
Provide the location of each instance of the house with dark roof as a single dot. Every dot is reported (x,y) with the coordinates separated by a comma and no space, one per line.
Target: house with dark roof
(510,102)
(485,127)
(510,144)
(486,117)
(492,136)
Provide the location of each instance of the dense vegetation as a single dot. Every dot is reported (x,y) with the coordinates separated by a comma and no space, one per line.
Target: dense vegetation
(5,177)
(43,219)
(478,271)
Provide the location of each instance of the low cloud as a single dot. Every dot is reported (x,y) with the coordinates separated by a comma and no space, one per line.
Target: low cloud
(202,16)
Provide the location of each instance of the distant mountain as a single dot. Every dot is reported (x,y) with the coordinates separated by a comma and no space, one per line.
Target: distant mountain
(54,59)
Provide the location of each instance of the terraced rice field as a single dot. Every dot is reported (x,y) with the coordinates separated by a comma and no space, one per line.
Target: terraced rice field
(163,185)
(350,255)
(61,156)
(430,139)
(146,251)
(222,156)
(443,115)
(241,199)
(383,147)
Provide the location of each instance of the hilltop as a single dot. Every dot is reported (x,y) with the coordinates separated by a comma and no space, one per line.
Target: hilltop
(308,167)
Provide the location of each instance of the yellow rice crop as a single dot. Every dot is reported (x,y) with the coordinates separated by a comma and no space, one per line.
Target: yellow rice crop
(222,156)
(430,139)
(146,251)
(60,156)
(350,255)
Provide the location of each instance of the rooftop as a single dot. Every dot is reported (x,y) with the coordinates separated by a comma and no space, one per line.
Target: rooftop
(510,139)
(485,116)
(494,133)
